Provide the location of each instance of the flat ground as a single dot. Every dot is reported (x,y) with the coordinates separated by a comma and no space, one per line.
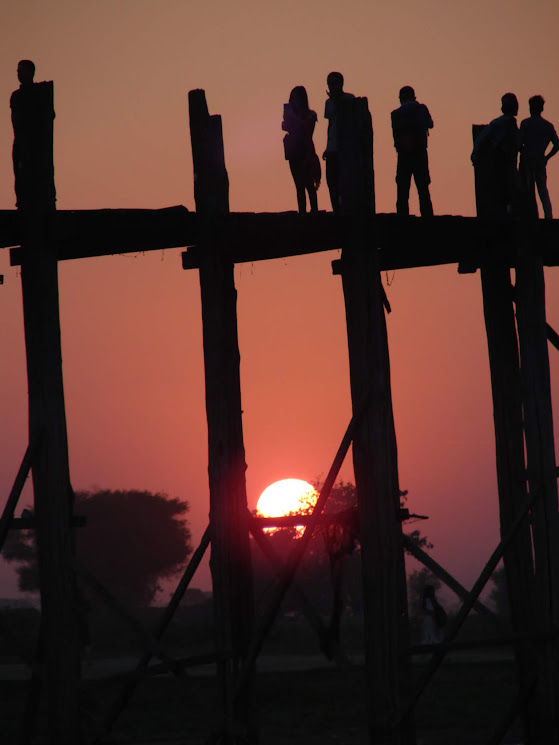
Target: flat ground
(298,699)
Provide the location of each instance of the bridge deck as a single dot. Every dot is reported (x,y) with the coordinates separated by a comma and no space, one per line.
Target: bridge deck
(402,242)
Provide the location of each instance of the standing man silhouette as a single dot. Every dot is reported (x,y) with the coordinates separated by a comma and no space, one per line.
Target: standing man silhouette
(32,116)
(536,133)
(336,93)
(22,104)
(410,126)
(496,149)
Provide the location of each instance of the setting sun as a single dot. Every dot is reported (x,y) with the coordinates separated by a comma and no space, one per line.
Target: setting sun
(286,497)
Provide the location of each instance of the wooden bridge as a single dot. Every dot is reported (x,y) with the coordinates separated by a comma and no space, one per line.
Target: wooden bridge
(214,239)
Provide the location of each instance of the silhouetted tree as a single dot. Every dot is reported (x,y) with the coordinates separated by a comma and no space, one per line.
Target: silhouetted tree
(333,550)
(132,541)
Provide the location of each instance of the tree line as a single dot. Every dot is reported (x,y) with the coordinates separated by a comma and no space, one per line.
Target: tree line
(135,540)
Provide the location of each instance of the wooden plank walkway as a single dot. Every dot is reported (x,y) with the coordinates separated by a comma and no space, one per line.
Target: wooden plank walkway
(402,242)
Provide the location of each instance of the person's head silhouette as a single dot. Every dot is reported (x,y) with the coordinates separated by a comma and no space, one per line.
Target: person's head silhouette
(509,104)
(335,81)
(25,71)
(299,100)
(428,593)
(407,94)
(536,104)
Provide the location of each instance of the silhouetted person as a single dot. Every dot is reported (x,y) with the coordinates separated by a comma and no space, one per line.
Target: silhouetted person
(22,104)
(434,617)
(336,94)
(410,126)
(536,133)
(28,111)
(299,122)
(496,147)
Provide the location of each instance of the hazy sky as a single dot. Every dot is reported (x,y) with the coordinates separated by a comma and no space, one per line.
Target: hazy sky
(131,326)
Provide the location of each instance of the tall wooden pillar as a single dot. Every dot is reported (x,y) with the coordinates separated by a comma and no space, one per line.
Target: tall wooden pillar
(374,443)
(506,387)
(542,475)
(230,550)
(51,480)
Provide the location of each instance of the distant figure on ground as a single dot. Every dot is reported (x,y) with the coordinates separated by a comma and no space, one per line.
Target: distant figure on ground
(410,126)
(536,133)
(434,617)
(299,122)
(496,147)
(336,94)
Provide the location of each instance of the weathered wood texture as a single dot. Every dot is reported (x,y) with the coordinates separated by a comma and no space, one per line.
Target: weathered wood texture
(230,550)
(540,453)
(374,443)
(47,421)
(506,388)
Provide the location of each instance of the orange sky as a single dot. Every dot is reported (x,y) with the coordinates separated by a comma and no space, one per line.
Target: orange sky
(131,326)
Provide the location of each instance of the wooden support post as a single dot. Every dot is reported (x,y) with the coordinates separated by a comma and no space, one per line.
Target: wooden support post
(47,420)
(230,549)
(540,451)
(374,443)
(506,387)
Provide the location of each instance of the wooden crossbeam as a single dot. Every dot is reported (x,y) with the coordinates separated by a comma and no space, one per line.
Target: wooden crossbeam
(403,242)
(86,233)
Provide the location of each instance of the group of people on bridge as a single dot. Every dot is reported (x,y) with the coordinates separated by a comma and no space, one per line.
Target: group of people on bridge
(496,150)
(497,146)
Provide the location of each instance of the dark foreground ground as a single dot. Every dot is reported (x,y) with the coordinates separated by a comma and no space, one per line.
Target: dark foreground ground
(462,706)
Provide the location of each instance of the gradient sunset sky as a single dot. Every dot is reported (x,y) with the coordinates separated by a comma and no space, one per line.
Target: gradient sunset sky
(131,325)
